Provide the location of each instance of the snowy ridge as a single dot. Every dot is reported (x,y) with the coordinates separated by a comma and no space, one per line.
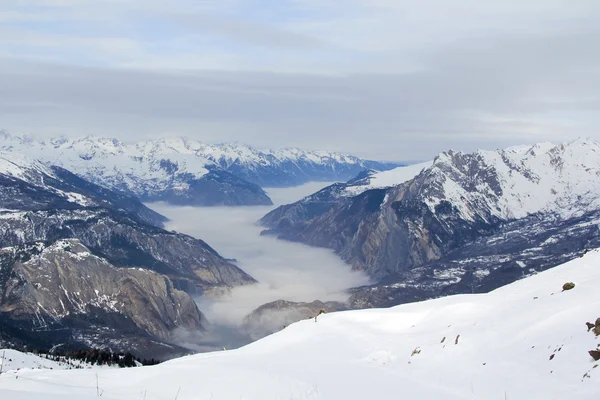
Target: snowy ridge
(153,165)
(33,172)
(527,340)
(519,181)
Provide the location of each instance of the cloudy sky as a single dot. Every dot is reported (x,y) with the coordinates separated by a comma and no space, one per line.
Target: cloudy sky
(388,79)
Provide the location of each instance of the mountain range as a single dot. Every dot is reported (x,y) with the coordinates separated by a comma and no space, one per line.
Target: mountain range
(464,222)
(186,172)
(83,266)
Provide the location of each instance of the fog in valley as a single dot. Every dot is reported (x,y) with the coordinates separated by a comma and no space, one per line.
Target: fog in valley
(284,270)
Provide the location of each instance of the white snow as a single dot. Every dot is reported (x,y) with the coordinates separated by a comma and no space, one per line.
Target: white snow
(13,362)
(491,346)
(384,179)
(34,172)
(137,166)
(562,179)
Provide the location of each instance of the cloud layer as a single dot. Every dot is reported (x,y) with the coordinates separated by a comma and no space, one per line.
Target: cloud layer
(388,79)
(284,270)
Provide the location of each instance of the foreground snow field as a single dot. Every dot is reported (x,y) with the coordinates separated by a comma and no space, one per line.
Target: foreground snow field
(12,360)
(527,340)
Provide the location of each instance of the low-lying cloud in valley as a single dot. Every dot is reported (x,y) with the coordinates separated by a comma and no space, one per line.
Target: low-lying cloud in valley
(284,270)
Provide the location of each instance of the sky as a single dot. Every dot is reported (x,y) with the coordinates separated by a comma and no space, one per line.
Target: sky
(385,79)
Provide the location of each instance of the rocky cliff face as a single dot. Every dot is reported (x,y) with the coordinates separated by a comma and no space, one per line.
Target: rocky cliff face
(82,266)
(190,263)
(460,198)
(63,291)
(274,316)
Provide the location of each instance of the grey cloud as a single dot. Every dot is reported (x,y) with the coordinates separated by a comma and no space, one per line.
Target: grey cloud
(244,31)
(473,94)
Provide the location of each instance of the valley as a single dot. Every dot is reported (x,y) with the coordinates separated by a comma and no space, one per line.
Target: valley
(284,270)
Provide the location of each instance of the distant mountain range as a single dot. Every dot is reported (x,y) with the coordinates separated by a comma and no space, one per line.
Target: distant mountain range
(186,172)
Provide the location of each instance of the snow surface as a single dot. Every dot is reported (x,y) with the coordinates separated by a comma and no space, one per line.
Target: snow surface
(385,179)
(545,178)
(34,172)
(13,361)
(527,341)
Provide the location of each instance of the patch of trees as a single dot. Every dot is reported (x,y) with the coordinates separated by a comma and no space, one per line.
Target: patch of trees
(99,357)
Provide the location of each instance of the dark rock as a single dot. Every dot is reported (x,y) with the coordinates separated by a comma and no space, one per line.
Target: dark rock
(271,317)
(568,286)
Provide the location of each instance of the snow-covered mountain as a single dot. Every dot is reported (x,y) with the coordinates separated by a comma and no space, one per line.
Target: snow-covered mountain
(28,184)
(527,340)
(84,266)
(163,170)
(433,211)
(287,167)
(184,171)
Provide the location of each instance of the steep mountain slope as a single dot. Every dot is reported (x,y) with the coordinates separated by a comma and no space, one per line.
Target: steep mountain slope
(321,201)
(63,294)
(527,340)
(27,184)
(456,200)
(67,248)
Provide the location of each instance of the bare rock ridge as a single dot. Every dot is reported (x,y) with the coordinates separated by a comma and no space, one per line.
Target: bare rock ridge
(464,222)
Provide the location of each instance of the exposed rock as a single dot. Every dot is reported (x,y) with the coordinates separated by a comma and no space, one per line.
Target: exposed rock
(64,291)
(568,286)
(468,223)
(190,263)
(63,240)
(26,184)
(590,326)
(274,316)
(595,354)
(456,200)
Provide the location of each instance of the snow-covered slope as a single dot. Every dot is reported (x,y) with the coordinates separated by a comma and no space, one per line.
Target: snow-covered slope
(383,179)
(27,184)
(526,341)
(13,360)
(519,181)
